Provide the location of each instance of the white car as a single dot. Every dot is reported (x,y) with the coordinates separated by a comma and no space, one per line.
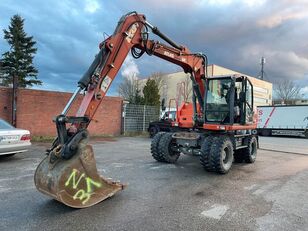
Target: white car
(13,140)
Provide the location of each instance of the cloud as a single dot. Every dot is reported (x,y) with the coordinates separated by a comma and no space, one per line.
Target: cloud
(130,69)
(254,3)
(304,91)
(284,12)
(218,2)
(234,34)
(91,6)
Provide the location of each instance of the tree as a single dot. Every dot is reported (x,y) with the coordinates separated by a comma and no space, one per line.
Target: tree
(129,90)
(287,91)
(151,93)
(187,91)
(1,73)
(160,79)
(137,98)
(18,61)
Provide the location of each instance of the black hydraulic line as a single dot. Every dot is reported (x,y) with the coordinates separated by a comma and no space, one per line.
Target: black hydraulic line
(206,85)
(197,91)
(122,19)
(194,103)
(86,78)
(98,62)
(156,31)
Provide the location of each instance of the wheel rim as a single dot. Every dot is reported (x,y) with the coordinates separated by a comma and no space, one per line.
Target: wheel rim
(253,150)
(226,158)
(171,149)
(224,155)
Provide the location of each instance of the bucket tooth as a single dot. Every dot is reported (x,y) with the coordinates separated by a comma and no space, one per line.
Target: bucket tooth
(74,182)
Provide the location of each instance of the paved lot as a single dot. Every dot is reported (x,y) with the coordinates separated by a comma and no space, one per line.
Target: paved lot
(271,194)
(284,144)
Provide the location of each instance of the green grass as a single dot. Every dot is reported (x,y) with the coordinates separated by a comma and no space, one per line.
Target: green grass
(136,134)
(49,139)
(43,139)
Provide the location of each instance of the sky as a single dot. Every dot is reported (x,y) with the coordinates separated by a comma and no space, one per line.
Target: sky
(233,33)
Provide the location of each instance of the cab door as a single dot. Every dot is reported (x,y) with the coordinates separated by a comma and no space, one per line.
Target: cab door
(248,105)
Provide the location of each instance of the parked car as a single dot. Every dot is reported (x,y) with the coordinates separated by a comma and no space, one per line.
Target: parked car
(162,125)
(13,140)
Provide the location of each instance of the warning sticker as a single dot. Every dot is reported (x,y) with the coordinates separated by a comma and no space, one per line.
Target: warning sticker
(131,32)
(105,84)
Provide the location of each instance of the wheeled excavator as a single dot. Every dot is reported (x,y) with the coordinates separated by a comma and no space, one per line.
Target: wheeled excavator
(218,125)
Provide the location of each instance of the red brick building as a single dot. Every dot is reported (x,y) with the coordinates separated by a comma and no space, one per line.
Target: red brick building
(37,108)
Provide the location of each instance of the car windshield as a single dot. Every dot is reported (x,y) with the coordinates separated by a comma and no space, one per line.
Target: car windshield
(5,125)
(169,115)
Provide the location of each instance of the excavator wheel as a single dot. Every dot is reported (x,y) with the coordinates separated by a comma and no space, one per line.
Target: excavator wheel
(250,153)
(205,157)
(74,182)
(154,147)
(166,148)
(221,154)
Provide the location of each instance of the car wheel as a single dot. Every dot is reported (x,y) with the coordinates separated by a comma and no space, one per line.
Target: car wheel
(153,130)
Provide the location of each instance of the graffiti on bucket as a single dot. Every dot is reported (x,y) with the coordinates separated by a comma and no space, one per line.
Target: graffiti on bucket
(82,194)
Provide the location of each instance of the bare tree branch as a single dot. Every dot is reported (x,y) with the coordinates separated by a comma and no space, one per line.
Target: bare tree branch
(287,91)
(188,89)
(128,88)
(160,79)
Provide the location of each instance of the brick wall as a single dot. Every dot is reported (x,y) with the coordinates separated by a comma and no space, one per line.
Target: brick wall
(36,108)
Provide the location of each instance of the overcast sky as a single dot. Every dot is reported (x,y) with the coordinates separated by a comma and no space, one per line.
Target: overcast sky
(233,33)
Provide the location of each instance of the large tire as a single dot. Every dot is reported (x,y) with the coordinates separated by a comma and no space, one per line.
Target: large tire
(250,153)
(205,154)
(165,149)
(238,156)
(154,147)
(153,130)
(221,154)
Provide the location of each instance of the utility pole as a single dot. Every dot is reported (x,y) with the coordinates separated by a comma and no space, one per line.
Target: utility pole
(14,100)
(262,73)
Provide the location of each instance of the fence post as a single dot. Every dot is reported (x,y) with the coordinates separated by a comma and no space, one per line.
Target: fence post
(124,118)
(144,107)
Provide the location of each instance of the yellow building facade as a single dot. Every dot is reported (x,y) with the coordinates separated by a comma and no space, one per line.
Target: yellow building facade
(179,84)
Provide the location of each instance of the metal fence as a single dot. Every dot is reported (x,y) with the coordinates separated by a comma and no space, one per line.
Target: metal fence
(136,118)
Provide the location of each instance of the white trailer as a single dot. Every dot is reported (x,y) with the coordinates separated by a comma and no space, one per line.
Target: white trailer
(283,120)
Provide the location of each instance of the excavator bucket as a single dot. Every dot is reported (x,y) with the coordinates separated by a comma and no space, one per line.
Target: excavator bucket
(74,182)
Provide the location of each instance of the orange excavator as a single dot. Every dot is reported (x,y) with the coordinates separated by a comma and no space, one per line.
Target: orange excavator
(218,125)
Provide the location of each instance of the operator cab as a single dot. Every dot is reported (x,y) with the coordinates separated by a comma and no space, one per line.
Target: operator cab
(229,100)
